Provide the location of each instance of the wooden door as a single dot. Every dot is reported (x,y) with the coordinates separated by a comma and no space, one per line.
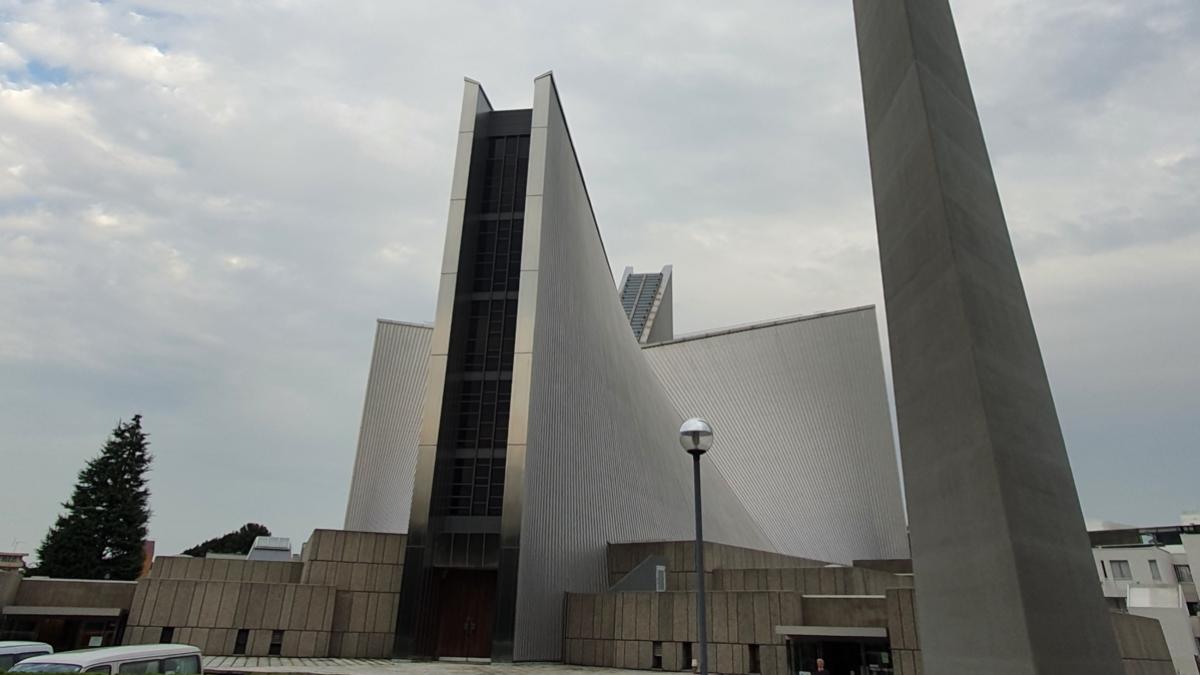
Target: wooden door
(467,608)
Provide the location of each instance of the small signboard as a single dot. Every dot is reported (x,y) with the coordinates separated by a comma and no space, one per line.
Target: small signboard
(96,641)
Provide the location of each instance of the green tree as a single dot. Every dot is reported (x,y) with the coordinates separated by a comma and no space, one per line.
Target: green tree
(101,533)
(238,541)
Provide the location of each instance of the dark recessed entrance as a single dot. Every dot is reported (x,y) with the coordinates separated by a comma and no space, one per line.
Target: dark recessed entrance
(842,655)
(467,607)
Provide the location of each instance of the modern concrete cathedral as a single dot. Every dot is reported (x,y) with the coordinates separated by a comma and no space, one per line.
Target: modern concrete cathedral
(529,426)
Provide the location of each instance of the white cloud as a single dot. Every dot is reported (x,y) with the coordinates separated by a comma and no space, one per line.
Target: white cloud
(204,207)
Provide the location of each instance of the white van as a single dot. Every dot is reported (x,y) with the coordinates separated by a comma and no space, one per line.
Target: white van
(13,652)
(127,660)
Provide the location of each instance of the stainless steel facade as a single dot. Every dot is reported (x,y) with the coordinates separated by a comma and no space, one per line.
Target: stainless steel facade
(381,487)
(802,427)
(589,451)
(601,459)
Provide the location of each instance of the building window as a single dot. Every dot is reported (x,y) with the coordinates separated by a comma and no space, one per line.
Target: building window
(656,656)
(239,644)
(1193,608)
(1103,569)
(276,643)
(1120,570)
(687,656)
(755,666)
(1183,573)
(167,636)
(1154,573)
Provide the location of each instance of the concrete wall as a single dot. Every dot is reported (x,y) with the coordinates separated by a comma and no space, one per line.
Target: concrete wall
(341,600)
(39,592)
(365,568)
(681,560)
(981,447)
(619,629)
(811,581)
(9,583)
(902,631)
(209,614)
(1176,628)
(1140,640)
(226,569)
(622,629)
(895,566)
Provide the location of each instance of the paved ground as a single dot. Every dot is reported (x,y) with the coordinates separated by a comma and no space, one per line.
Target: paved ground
(275,664)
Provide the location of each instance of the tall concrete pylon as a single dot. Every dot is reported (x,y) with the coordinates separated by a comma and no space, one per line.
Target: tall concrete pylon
(1005,581)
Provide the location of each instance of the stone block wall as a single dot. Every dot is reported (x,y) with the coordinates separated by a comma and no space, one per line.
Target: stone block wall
(1143,648)
(226,569)
(1139,639)
(809,580)
(42,592)
(623,630)
(365,569)
(902,632)
(209,614)
(681,564)
(340,600)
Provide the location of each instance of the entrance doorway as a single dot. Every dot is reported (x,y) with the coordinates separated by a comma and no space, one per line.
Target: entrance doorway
(467,600)
(842,655)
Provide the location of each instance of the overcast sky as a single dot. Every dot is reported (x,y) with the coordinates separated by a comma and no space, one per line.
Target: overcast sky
(204,206)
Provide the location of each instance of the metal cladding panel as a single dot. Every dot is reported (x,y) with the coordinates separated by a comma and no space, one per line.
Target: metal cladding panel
(803,435)
(603,463)
(381,489)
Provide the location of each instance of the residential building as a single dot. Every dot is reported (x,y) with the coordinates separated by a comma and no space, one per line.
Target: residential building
(1151,572)
(647,299)
(12,561)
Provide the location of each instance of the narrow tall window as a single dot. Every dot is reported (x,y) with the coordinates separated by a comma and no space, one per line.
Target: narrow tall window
(1154,573)
(276,643)
(755,666)
(656,656)
(167,635)
(239,643)
(1120,570)
(1183,573)
(687,656)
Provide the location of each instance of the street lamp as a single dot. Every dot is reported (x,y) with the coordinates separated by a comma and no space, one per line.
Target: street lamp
(696,436)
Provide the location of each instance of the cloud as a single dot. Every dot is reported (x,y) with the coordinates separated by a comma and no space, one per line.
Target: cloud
(205,206)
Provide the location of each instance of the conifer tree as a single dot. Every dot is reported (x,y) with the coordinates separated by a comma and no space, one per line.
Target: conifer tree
(238,541)
(101,533)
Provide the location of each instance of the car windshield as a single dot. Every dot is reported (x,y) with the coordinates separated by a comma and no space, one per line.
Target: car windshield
(44,668)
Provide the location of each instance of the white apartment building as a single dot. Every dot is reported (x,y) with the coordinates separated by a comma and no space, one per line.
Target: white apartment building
(1151,572)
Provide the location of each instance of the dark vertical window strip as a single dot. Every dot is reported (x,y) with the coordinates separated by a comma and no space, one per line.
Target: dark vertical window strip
(473,473)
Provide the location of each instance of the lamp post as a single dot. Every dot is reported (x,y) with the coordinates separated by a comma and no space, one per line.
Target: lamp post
(696,437)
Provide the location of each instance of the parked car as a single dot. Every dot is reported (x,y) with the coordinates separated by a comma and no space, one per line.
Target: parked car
(13,652)
(126,660)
